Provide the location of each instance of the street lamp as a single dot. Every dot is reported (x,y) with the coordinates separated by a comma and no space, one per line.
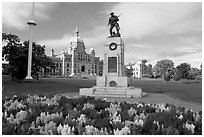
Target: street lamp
(31,24)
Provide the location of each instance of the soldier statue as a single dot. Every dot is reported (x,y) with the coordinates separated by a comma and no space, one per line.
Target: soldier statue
(113,22)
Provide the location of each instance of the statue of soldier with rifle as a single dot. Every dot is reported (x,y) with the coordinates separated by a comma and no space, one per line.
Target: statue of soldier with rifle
(113,22)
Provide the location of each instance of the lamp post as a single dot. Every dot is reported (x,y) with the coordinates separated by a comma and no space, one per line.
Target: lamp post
(31,24)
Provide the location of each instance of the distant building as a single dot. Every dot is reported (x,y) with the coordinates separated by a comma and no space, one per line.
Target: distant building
(140,69)
(76,61)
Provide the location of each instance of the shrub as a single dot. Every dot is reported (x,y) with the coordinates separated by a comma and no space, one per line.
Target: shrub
(177,75)
(167,78)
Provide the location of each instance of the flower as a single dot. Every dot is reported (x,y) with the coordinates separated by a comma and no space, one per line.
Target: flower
(124,131)
(180,117)
(46,116)
(190,127)
(88,105)
(132,111)
(82,118)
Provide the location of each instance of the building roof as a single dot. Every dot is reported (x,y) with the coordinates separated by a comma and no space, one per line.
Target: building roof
(77,38)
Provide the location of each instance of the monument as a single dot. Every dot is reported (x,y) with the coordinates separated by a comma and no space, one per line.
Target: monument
(113,83)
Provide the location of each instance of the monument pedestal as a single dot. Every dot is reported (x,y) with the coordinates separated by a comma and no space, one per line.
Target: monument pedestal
(113,83)
(130,92)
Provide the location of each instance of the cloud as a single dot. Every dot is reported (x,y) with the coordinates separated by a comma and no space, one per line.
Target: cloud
(142,19)
(60,44)
(195,59)
(16,14)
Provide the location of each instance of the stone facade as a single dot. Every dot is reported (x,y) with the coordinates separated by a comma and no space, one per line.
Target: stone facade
(76,61)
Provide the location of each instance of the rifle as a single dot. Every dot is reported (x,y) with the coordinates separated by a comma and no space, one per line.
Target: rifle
(114,20)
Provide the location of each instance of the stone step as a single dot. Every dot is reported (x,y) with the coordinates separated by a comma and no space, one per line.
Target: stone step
(112,88)
(111,95)
(108,92)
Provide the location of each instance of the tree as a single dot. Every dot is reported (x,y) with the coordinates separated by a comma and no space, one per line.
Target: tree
(177,75)
(163,66)
(184,69)
(17,55)
(149,70)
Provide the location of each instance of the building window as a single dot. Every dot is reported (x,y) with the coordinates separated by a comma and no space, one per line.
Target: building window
(56,64)
(67,70)
(60,65)
(67,64)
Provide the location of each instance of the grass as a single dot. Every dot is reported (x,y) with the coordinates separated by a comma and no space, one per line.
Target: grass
(188,92)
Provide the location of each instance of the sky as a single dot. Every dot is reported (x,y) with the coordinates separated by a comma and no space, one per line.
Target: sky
(151,30)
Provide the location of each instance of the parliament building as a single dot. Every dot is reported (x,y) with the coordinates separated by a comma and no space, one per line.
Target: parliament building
(76,61)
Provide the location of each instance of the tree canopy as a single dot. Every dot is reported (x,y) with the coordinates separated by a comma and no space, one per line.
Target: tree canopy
(163,66)
(17,55)
(184,69)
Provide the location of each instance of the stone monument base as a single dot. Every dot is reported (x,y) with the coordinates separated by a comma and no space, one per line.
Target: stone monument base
(130,92)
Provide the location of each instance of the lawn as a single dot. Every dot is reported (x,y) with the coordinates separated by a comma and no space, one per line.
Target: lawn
(188,92)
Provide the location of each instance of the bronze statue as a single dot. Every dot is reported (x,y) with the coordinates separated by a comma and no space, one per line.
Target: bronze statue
(113,22)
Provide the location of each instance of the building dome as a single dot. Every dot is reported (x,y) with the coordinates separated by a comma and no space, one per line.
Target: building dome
(77,38)
(139,62)
(92,49)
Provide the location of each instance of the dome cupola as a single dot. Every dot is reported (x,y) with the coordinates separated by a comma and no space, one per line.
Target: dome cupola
(77,38)
(76,43)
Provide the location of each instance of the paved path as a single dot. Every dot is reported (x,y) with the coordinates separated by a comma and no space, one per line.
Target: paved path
(153,98)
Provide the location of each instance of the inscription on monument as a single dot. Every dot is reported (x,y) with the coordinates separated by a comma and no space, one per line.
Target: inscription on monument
(112,64)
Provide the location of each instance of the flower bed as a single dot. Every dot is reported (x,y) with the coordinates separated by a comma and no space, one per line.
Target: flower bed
(60,115)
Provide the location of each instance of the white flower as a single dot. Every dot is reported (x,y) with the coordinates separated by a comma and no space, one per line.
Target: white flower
(117,132)
(180,117)
(37,120)
(59,129)
(32,125)
(82,118)
(66,130)
(5,114)
(132,111)
(42,116)
(142,115)
(128,123)
(88,105)
(198,117)
(140,105)
(190,127)
(125,131)
(89,130)
(139,122)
